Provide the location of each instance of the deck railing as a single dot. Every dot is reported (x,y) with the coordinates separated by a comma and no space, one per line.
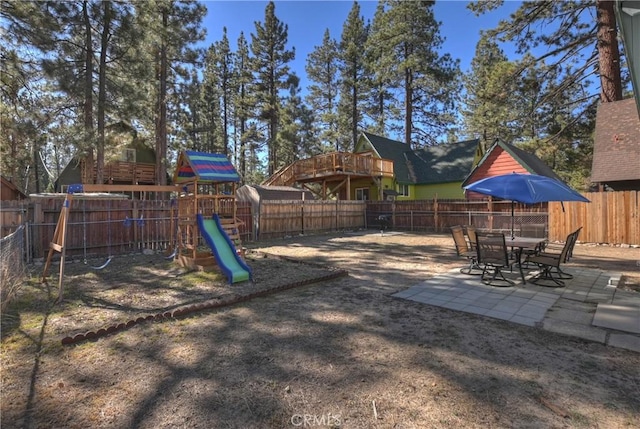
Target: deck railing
(122,172)
(329,164)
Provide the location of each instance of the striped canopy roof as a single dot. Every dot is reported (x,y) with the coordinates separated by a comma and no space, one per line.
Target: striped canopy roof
(204,167)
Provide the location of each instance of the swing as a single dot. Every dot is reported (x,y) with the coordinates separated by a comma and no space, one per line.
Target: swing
(174,225)
(84,239)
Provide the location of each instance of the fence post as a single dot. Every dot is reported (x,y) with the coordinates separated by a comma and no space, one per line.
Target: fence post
(134,223)
(490,209)
(38,219)
(364,206)
(435,213)
(27,248)
(393,213)
(302,216)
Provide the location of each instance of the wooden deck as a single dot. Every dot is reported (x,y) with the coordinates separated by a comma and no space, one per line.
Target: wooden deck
(122,172)
(331,166)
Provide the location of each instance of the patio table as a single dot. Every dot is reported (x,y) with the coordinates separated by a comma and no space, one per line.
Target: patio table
(520,244)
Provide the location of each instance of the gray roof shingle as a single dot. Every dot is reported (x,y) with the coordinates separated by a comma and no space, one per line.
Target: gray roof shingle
(441,163)
(616,149)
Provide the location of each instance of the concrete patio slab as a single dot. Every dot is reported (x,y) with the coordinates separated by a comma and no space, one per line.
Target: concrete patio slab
(586,332)
(620,317)
(625,341)
(587,307)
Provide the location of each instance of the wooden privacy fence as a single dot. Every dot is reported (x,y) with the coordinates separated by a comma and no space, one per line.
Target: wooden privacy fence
(438,215)
(12,215)
(100,228)
(287,218)
(107,227)
(610,217)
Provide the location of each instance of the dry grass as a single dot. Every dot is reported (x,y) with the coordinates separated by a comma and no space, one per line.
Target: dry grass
(342,353)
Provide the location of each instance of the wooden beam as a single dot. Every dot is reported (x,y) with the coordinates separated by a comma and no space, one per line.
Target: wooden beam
(336,188)
(313,191)
(58,244)
(131,188)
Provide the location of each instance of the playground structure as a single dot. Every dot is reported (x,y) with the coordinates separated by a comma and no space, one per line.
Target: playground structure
(204,187)
(208,183)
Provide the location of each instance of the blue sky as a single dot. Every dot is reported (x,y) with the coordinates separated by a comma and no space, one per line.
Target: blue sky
(307,21)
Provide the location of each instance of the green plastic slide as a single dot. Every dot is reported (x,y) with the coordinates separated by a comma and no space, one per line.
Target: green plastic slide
(223,250)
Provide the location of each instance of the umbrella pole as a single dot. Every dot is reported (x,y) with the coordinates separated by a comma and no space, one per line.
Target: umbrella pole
(512,204)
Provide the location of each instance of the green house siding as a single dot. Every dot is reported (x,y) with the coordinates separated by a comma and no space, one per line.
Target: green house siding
(145,156)
(429,171)
(452,190)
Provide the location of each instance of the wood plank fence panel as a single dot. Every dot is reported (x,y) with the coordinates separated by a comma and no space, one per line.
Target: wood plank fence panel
(610,217)
(319,216)
(280,218)
(12,215)
(350,214)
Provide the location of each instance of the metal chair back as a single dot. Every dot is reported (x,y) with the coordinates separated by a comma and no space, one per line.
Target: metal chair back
(492,249)
(471,234)
(458,238)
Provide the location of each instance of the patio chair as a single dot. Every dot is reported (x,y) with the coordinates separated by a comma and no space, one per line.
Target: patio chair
(549,263)
(555,251)
(494,256)
(557,247)
(471,235)
(575,240)
(464,251)
(535,230)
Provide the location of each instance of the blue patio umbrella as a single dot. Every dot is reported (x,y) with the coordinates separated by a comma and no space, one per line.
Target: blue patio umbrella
(526,189)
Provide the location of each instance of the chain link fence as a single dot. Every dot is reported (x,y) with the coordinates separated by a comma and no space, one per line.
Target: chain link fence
(12,265)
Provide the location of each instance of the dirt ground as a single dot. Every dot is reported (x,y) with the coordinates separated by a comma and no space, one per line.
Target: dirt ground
(337,353)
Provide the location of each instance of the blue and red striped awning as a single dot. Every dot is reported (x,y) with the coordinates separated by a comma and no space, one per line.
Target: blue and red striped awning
(205,167)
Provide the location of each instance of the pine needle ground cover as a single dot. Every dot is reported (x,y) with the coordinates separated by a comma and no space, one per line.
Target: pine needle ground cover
(341,352)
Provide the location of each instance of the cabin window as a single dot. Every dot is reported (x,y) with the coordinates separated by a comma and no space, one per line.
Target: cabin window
(403,190)
(362,194)
(129,155)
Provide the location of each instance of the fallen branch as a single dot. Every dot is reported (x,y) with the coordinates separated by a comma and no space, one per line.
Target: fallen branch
(553,407)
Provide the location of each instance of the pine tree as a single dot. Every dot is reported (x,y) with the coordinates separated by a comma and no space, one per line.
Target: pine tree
(176,25)
(352,77)
(297,137)
(271,72)
(224,69)
(490,106)
(568,31)
(243,103)
(211,111)
(561,92)
(322,70)
(380,104)
(407,37)
(51,50)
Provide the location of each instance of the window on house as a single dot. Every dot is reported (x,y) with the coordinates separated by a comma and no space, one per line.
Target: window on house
(362,194)
(403,190)
(129,155)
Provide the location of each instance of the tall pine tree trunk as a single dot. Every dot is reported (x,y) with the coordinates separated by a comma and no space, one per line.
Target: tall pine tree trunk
(408,106)
(355,116)
(243,145)
(608,53)
(88,95)
(102,91)
(161,119)
(273,146)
